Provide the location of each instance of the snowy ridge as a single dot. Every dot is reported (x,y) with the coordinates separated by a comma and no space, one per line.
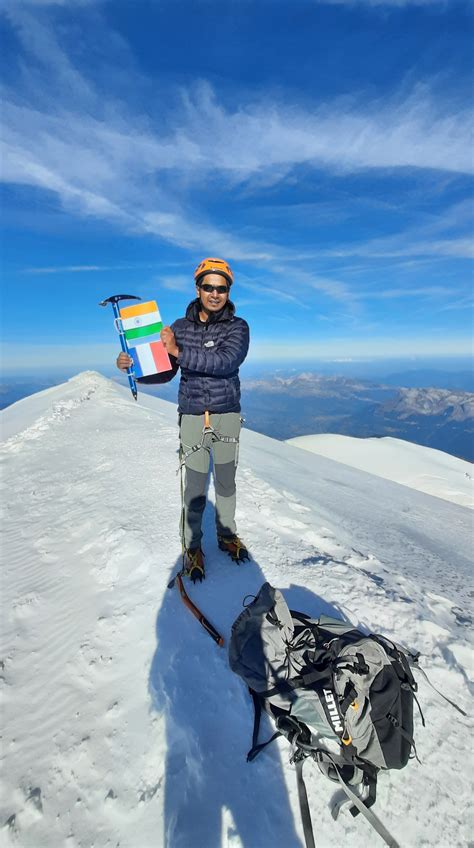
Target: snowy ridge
(31,416)
(124,723)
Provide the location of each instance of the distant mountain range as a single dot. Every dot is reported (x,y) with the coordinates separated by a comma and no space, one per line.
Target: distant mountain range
(307,403)
(287,405)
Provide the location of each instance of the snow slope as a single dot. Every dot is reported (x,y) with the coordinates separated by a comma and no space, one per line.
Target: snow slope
(424,469)
(124,725)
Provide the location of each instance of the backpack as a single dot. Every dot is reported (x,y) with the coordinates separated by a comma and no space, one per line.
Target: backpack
(340,696)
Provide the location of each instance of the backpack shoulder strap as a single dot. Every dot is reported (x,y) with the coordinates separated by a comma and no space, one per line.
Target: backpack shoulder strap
(304,805)
(366,811)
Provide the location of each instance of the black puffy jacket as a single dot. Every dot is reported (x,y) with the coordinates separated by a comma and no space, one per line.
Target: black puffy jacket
(210,354)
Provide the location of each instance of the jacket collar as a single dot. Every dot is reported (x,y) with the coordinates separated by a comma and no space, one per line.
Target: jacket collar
(225,314)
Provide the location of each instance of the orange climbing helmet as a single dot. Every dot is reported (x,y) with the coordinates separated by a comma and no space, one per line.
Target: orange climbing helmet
(213,266)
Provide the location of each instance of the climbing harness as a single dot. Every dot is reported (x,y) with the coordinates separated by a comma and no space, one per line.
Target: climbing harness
(207,430)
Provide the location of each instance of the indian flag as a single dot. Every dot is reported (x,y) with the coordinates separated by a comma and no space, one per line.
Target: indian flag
(149,359)
(141,321)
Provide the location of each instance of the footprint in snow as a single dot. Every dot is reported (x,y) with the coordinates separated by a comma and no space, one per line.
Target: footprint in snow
(149,792)
(462,618)
(291,523)
(34,798)
(297,507)
(293,504)
(317,559)
(11,824)
(24,607)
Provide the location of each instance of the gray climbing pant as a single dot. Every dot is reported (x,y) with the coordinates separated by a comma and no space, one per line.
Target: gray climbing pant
(196,472)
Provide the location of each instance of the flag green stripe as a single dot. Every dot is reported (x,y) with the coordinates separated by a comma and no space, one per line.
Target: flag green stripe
(149,330)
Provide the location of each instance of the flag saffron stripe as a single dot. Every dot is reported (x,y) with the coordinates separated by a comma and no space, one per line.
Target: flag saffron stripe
(138,309)
(141,320)
(139,332)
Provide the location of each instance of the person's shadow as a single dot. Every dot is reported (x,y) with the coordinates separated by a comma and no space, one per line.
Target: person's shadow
(209,786)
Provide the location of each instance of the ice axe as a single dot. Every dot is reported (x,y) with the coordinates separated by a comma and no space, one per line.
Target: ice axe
(114,300)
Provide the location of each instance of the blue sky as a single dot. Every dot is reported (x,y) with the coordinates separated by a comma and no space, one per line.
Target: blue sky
(323,148)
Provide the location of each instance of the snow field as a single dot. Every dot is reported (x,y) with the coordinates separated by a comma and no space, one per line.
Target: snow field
(124,724)
(424,469)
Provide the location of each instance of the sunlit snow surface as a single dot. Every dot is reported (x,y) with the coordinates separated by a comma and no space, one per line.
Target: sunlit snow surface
(425,469)
(124,725)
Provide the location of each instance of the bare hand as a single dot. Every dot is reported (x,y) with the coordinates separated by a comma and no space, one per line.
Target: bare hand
(169,341)
(124,361)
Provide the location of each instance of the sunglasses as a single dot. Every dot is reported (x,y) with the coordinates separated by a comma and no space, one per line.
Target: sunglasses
(207,287)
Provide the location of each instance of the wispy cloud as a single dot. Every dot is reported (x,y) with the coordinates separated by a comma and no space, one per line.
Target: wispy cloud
(283,294)
(446,234)
(397,246)
(177,282)
(463,304)
(350,135)
(104,158)
(427,291)
(331,287)
(84,269)
(102,168)
(118,166)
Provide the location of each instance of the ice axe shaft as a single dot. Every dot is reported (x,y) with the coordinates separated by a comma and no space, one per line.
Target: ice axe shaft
(114,300)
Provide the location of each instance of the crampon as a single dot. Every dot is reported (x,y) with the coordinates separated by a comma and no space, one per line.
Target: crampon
(233,546)
(194,565)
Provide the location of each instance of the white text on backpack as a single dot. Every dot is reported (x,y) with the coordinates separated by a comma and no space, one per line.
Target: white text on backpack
(333,711)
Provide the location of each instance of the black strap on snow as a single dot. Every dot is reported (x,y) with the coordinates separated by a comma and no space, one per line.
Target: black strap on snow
(419,709)
(256,748)
(257,714)
(417,667)
(255,751)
